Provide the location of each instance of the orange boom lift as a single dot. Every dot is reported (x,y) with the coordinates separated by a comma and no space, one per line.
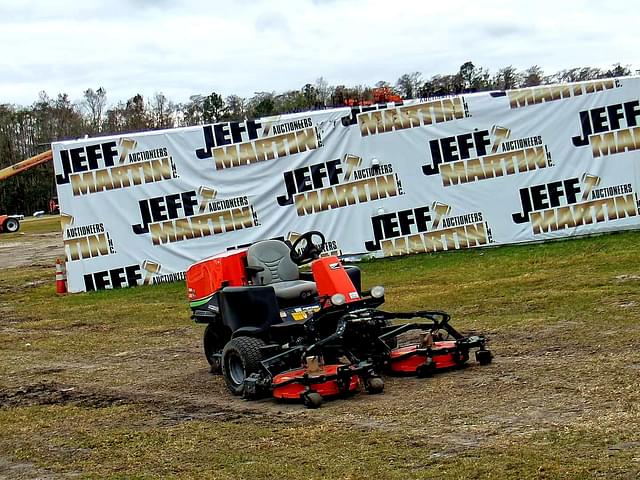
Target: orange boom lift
(10,223)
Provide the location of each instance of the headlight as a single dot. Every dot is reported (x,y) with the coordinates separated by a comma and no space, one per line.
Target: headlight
(338,299)
(377,291)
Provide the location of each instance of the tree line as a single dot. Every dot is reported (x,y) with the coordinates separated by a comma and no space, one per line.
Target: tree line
(26,131)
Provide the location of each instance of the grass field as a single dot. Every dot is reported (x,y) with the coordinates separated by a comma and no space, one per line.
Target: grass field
(115,385)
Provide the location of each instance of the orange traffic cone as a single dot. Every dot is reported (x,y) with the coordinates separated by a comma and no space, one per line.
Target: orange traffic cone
(61,277)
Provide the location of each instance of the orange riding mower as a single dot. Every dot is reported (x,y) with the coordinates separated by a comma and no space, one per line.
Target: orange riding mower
(274,330)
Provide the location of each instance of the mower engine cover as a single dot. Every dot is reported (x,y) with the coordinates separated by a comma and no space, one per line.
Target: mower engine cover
(206,277)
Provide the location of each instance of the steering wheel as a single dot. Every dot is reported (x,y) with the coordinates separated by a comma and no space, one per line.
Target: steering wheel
(310,249)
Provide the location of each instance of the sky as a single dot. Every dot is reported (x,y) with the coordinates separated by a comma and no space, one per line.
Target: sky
(187,47)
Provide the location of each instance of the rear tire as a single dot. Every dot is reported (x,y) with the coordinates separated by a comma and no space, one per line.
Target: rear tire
(240,358)
(11,225)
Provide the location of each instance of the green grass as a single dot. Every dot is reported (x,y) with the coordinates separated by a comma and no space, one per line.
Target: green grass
(561,400)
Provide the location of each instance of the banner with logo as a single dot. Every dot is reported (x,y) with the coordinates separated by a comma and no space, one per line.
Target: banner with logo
(432,175)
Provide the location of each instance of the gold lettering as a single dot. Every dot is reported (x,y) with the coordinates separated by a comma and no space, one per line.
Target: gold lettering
(306,139)
(307,203)
(83,183)
(626,206)
(370,123)
(98,244)
(225,157)
(162,232)
(394,246)
(476,234)
(543,221)
(453,173)
(602,145)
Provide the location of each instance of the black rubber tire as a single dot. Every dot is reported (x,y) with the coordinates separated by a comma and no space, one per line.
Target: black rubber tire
(427,369)
(374,385)
(240,358)
(313,400)
(484,357)
(11,225)
(463,358)
(213,344)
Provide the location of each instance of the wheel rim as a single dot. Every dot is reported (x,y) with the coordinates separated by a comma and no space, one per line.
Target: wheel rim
(11,225)
(236,369)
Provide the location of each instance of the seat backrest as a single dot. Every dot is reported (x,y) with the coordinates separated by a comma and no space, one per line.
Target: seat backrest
(255,307)
(273,256)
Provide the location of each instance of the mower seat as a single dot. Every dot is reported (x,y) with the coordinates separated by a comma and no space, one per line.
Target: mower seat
(275,268)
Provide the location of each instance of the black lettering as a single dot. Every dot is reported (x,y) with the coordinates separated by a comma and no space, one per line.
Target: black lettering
(117,277)
(464,145)
(449,148)
(599,119)
(66,168)
(236,131)
(585,123)
(303,180)
(334,170)
(290,185)
(382,227)
(405,220)
(109,153)
(189,200)
(89,286)
(93,155)
(525,201)
(482,141)
(133,274)
(436,158)
(157,207)
(78,159)
(318,172)
(539,196)
(252,129)
(173,204)
(205,152)
(145,213)
(572,190)
(615,114)
(219,129)
(101,279)
(422,217)
(555,194)
(632,113)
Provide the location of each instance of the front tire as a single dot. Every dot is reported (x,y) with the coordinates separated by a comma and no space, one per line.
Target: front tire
(11,225)
(240,358)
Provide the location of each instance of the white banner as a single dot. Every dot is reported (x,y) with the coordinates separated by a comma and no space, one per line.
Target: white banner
(437,174)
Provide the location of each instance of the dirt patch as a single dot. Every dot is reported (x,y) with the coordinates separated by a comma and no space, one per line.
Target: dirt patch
(53,394)
(31,250)
(12,470)
(627,278)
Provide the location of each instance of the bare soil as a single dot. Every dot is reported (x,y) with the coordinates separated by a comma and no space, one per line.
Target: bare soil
(562,377)
(35,249)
